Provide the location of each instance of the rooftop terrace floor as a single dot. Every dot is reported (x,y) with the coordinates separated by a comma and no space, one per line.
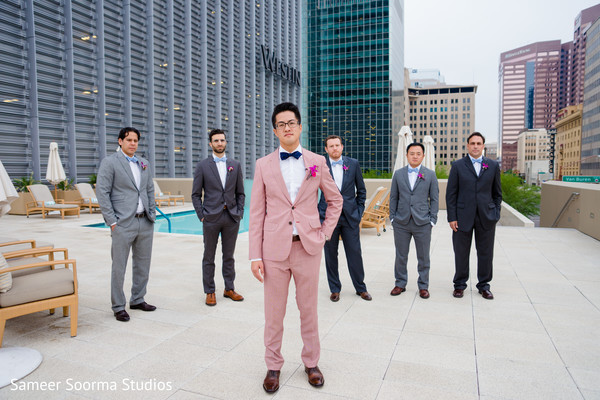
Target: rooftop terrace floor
(538,339)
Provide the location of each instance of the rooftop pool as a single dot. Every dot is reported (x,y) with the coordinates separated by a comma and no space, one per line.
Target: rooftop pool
(185,222)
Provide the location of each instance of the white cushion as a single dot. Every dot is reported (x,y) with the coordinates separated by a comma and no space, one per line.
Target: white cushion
(6,277)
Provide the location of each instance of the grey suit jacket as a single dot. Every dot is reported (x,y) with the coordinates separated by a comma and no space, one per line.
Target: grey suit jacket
(421,202)
(206,178)
(117,193)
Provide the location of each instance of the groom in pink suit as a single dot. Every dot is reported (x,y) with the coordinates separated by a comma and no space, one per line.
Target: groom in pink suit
(287,238)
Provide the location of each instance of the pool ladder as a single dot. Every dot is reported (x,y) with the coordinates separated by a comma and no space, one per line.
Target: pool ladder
(167,218)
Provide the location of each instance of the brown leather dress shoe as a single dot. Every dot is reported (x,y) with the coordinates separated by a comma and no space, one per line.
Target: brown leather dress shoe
(142,306)
(424,293)
(458,293)
(364,296)
(315,377)
(397,290)
(233,295)
(122,316)
(211,299)
(486,294)
(271,383)
(334,297)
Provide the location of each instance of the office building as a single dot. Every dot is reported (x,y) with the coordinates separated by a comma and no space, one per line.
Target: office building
(354,76)
(532,145)
(75,72)
(447,113)
(491,150)
(590,131)
(568,141)
(423,78)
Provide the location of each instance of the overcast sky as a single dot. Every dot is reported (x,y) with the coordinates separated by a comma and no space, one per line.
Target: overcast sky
(464,39)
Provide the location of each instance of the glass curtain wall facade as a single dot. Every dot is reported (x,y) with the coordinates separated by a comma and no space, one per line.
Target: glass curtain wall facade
(590,130)
(354,76)
(75,72)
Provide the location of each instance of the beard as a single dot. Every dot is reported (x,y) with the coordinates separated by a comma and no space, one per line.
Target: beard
(218,151)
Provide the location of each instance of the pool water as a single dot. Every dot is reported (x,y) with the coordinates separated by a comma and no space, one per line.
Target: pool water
(185,222)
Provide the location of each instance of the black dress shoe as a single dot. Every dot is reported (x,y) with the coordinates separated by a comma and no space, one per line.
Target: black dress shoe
(486,294)
(142,306)
(334,297)
(122,316)
(271,383)
(458,293)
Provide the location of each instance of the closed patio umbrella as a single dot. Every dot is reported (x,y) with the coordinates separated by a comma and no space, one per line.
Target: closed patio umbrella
(55,172)
(8,193)
(405,138)
(429,160)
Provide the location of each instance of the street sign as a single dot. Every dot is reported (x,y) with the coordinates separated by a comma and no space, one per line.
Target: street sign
(584,179)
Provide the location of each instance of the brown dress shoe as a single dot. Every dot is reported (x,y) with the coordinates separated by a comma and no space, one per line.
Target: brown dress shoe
(397,290)
(334,297)
(458,293)
(271,383)
(315,377)
(486,294)
(424,293)
(142,306)
(211,299)
(233,295)
(365,296)
(122,316)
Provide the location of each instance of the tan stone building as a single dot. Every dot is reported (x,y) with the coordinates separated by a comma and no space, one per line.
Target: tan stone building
(533,147)
(568,141)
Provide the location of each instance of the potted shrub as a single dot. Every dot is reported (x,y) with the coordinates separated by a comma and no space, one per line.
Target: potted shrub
(66,191)
(18,207)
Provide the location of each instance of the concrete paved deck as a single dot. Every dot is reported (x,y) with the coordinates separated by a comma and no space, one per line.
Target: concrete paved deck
(537,340)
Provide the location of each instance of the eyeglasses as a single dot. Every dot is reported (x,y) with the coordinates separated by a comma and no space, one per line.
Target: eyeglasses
(291,124)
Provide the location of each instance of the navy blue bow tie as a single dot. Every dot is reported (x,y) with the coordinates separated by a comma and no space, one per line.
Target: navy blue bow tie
(338,162)
(413,169)
(284,156)
(132,159)
(222,159)
(477,160)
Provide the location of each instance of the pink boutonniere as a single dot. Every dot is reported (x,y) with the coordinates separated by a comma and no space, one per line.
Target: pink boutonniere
(484,166)
(345,167)
(144,166)
(420,176)
(230,169)
(313,171)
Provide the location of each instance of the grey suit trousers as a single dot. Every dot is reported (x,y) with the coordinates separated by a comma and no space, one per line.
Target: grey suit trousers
(228,228)
(136,237)
(402,236)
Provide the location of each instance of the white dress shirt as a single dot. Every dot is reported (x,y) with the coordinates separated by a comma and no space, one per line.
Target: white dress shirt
(338,172)
(222,168)
(412,176)
(476,165)
(293,172)
(137,177)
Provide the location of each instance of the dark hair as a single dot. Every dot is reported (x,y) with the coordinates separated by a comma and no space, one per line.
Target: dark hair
(476,134)
(215,132)
(285,107)
(415,144)
(123,133)
(331,137)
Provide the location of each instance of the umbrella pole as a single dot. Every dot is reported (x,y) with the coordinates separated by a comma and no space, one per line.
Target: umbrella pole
(55,193)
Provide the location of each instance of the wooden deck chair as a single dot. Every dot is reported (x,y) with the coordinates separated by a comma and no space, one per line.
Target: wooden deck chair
(160,196)
(44,203)
(88,197)
(371,217)
(12,244)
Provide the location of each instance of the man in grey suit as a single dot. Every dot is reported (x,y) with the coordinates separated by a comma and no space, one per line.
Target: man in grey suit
(349,180)
(414,204)
(220,211)
(125,194)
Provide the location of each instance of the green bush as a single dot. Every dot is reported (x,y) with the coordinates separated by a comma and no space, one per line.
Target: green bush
(93,178)
(22,183)
(522,197)
(67,184)
(376,174)
(441,171)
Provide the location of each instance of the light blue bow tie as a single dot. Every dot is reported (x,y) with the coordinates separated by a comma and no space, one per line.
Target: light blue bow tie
(413,170)
(338,162)
(477,160)
(132,159)
(222,159)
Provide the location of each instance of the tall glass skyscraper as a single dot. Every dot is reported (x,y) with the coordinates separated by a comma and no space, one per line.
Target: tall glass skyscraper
(76,71)
(354,76)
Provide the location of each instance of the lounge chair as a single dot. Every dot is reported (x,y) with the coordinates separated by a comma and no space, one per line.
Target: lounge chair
(38,286)
(11,244)
(161,196)
(372,218)
(44,203)
(88,196)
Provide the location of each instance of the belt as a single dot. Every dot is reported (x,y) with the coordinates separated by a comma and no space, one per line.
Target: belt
(140,215)
(295,238)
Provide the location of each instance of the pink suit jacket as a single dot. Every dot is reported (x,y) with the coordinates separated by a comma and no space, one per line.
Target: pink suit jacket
(272,211)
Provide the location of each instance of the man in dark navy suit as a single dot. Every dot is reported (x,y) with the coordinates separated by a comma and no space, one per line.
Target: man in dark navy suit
(348,178)
(473,201)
